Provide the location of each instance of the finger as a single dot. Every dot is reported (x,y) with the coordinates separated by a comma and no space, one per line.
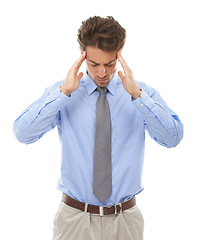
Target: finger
(79,76)
(78,63)
(121,75)
(80,60)
(123,63)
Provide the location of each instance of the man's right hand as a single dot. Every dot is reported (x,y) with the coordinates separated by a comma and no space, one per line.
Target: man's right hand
(72,80)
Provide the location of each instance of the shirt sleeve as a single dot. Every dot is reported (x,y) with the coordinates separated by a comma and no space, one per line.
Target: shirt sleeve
(41,116)
(162,124)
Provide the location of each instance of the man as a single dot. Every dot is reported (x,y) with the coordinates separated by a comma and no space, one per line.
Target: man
(101,118)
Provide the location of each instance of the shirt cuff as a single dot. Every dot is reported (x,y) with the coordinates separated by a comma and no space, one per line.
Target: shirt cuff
(144,101)
(57,99)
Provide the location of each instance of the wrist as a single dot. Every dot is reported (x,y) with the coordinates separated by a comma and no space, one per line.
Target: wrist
(136,94)
(65,91)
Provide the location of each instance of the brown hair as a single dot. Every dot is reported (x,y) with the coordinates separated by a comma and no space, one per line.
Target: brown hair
(105,33)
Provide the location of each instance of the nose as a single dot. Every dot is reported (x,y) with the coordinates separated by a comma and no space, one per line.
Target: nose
(101,72)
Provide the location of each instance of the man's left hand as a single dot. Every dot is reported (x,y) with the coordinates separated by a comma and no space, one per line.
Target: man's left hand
(128,80)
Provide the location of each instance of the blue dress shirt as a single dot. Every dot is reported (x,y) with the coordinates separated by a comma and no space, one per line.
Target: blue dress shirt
(75,118)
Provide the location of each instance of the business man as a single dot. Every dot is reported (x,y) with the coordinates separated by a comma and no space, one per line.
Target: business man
(101,118)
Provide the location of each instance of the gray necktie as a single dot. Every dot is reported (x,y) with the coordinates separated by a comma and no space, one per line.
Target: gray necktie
(102,180)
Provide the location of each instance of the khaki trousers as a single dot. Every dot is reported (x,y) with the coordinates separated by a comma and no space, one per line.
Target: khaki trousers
(74,224)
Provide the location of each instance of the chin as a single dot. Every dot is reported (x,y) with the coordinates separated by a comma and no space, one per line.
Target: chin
(100,84)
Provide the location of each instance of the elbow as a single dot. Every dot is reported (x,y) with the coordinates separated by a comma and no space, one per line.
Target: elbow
(179,136)
(18,133)
(170,141)
(175,141)
(23,137)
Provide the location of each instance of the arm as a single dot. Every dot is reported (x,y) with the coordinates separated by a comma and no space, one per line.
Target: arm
(43,114)
(162,124)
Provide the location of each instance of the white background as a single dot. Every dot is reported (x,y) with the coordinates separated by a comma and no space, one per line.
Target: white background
(38,46)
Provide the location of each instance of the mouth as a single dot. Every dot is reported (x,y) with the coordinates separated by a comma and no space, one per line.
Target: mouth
(102,80)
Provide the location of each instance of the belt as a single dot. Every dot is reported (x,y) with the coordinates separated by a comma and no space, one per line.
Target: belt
(106,210)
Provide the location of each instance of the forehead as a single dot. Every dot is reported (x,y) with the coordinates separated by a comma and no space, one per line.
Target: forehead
(99,56)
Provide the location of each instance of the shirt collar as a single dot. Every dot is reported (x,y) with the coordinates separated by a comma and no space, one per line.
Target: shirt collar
(91,85)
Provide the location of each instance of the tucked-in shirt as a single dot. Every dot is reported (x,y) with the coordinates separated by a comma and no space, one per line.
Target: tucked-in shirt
(75,118)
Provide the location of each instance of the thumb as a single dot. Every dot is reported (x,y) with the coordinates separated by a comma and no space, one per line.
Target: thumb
(79,76)
(121,75)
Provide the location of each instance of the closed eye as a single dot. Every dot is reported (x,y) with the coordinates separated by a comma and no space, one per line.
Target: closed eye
(106,65)
(110,64)
(94,65)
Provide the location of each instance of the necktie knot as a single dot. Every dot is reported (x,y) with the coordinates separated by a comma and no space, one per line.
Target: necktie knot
(102,90)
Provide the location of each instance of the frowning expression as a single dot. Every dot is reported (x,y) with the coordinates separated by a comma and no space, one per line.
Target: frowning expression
(101,65)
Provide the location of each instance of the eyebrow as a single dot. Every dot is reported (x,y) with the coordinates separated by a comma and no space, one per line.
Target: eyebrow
(99,63)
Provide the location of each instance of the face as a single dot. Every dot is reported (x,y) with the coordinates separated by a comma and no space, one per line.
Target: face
(101,65)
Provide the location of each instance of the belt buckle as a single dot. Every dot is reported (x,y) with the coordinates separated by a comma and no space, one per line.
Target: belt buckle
(120,205)
(101,211)
(116,210)
(86,207)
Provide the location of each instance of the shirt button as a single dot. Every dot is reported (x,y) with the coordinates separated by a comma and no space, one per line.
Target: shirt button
(57,99)
(145,101)
(54,96)
(142,104)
